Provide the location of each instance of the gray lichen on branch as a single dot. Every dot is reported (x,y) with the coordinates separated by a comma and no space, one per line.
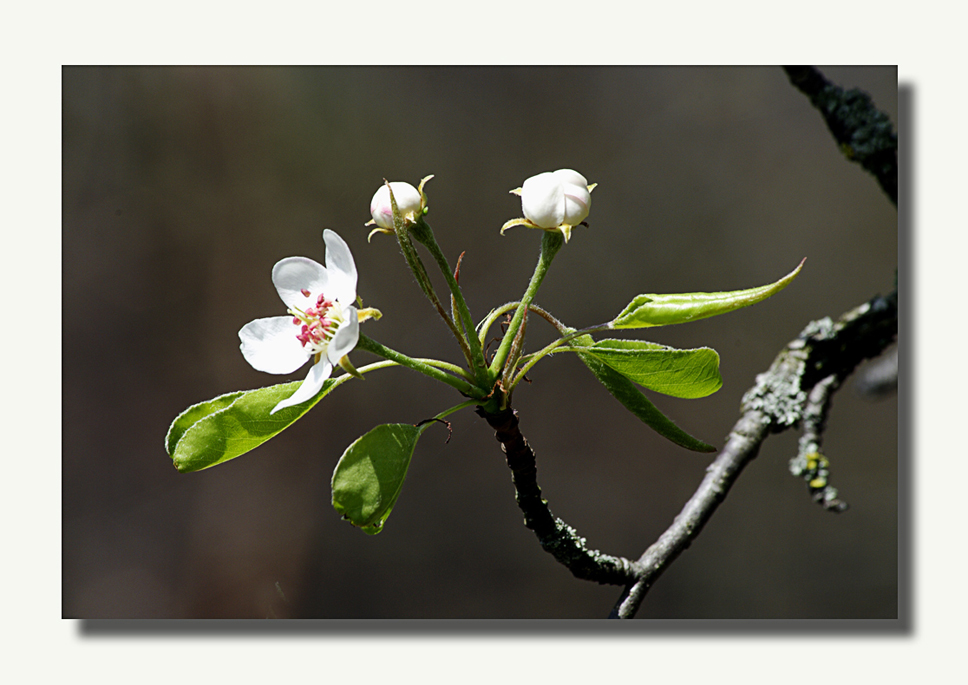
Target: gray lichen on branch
(781,398)
(810,464)
(822,355)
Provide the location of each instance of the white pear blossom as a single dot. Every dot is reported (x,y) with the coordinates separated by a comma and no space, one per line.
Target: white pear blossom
(556,197)
(554,201)
(408,202)
(322,325)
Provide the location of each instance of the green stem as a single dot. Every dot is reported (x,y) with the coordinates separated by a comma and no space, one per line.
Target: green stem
(422,232)
(448,412)
(366,369)
(495,314)
(453,368)
(423,280)
(461,385)
(517,347)
(387,364)
(547,316)
(550,244)
(551,347)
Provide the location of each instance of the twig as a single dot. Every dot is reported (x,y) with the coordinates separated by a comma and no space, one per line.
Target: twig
(778,401)
(810,464)
(865,134)
(556,537)
(743,445)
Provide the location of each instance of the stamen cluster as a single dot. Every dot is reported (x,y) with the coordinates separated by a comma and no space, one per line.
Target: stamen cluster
(317,327)
(319,323)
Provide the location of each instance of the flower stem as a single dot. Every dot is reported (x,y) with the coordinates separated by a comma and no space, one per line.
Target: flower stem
(422,366)
(422,232)
(550,244)
(423,280)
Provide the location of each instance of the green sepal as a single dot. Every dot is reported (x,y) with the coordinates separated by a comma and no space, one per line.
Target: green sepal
(632,399)
(680,373)
(663,310)
(212,432)
(370,474)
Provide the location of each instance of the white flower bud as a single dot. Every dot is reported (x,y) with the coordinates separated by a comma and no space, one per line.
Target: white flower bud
(555,198)
(407,198)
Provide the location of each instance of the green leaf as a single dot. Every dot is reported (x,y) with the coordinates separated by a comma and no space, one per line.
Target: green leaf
(212,432)
(632,399)
(662,310)
(679,373)
(370,474)
(190,416)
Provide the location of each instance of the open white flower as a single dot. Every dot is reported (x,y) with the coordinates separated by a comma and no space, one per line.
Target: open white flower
(322,325)
(554,201)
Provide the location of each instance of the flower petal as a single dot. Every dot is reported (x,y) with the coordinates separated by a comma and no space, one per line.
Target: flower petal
(578,201)
(312,385)
(292,275)
(542,200)
(406,196)
(340,268)
(270,345)
(347,335)
(572,177)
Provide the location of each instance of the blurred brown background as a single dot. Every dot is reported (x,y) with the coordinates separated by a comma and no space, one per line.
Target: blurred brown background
(183,186)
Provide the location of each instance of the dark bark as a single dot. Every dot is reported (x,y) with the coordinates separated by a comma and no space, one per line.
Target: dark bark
(556,537)
(865,134)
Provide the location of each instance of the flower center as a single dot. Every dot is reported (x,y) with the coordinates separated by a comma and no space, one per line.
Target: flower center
(317,323)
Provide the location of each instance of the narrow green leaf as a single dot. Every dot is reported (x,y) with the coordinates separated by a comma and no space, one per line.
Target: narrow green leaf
(680,373)
(662,310)
(370,474)
(632,399)
(212,432)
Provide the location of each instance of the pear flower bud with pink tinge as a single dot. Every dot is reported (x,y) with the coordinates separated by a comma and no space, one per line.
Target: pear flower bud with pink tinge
(554,201)
(411,203)
(406,196)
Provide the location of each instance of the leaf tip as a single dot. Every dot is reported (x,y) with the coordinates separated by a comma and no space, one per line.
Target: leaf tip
(181,465)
